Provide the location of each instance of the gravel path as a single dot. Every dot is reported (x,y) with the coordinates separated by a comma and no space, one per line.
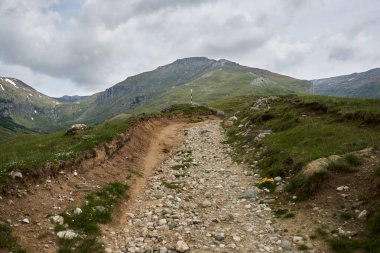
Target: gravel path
(199,208)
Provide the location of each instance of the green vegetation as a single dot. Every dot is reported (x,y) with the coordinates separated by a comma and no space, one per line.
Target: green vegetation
(376,170)
(369,241)
(344,215)
(29,153)
(134,171)
(280,212)
(179,166)
(98,209)
(304,128)
(267,183)
(303,187)
(322,232)
(345,164)
(188,110)
(7,241)
(302,247)
(172,185)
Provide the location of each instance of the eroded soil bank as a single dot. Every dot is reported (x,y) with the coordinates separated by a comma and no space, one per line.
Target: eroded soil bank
(144,146)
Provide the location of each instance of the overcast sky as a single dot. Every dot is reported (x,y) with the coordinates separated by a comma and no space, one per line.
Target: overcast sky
(84,46)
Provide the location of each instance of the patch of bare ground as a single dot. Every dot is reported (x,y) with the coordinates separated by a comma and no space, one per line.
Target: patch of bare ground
(124,159)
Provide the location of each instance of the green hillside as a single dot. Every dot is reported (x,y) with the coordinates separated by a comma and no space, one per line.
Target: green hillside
(210,81)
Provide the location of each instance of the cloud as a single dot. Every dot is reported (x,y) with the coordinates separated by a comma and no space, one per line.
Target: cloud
(84,46)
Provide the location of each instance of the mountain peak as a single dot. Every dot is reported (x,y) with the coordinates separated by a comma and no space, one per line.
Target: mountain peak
(193,59)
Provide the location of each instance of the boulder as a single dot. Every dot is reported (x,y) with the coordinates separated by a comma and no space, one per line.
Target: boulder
(318,165)
(16,174)
(76,128)
(57,219)
(68,234)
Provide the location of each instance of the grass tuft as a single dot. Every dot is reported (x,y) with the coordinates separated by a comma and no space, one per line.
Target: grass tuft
(345,164)
(304,187)
(7,241)
(98,209)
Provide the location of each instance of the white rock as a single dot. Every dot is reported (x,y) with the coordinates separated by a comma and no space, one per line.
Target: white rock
(233,118)
(15,174)
(77,211)
(297,239)
(236,238)
(342,188)
(362,215)
(108,250)
(57,219)
(182,246)
(278,179)
(26,221)
(68,234)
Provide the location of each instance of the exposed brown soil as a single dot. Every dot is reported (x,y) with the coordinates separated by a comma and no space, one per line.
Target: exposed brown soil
(143,147)
(323,210)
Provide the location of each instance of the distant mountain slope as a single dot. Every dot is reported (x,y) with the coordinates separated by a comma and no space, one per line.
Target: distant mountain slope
(209,79)
(70,99)
(29,108)
(359,85)
(25,105)
(9,128)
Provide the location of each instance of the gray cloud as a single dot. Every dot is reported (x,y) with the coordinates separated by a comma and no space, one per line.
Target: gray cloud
(71,46)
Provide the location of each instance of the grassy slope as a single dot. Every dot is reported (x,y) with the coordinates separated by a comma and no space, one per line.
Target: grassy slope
(306,128)
(31,151)
(9,128)
(221,84)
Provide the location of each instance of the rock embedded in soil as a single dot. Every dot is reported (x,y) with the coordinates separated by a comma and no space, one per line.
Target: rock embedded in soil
(57,219)
(67,234)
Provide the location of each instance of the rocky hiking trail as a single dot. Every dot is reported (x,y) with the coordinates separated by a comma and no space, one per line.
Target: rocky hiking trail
(198,200)
(186,195)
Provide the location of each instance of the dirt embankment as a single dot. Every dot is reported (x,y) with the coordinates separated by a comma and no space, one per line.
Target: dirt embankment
(64,188)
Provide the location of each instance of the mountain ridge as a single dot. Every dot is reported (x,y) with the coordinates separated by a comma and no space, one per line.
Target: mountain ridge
(153,90)
(356,85)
